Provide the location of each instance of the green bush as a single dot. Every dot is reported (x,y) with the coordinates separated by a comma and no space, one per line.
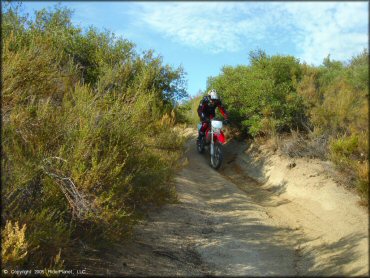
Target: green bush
(187,111)
(343,147)
(262,97)
(88,140)
(328,104)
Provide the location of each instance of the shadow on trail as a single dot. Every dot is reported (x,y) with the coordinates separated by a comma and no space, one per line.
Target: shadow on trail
(333,259)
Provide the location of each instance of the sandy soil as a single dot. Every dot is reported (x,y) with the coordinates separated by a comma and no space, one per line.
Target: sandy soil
(301,194)
(261,214)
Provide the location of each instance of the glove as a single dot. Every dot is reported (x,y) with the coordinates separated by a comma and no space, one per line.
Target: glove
(226,121)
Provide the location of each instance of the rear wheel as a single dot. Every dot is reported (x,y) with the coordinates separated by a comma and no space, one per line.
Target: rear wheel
(216,158)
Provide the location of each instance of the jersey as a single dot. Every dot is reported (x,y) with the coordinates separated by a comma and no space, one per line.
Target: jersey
(209,109)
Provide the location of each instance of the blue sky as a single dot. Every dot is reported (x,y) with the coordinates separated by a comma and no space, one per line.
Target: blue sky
(204,36)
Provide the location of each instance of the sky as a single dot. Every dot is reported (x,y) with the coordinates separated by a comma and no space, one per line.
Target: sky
(202,37)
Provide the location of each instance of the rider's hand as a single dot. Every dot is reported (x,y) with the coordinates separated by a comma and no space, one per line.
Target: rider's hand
(226,121)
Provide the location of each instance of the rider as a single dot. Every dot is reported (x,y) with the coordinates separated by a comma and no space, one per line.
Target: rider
(206,110)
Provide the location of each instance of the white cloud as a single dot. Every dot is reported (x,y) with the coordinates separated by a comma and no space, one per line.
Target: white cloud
(314,29)
(212,26)
(338,29)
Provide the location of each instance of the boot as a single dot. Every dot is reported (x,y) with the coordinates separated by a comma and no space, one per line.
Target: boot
(200,135)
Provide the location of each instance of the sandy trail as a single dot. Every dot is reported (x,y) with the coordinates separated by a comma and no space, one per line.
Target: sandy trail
(298,193)
(226,223)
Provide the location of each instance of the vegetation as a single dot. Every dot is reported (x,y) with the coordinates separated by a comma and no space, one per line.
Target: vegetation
(187,111)
(88,144)
(323,108)
(87,139)
(262,97)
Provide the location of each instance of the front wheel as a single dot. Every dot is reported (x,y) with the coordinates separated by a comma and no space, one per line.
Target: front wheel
(216,158)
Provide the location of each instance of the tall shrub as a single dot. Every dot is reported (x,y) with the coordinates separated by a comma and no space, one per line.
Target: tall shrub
(87,134)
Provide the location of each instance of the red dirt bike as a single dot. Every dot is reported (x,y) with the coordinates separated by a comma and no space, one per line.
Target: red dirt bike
(215,139)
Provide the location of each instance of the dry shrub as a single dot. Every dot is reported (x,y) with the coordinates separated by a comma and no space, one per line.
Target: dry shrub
(349,153)
(336,98)
(14,247)
(301,145)
(363,180)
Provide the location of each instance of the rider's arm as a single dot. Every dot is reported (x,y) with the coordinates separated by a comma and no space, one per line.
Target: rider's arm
(222,110)
(201,108)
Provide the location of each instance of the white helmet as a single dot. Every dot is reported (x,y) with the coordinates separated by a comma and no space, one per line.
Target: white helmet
(213,94)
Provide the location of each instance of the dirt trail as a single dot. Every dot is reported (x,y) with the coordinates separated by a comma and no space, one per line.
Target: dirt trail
(227,223)
(301,194)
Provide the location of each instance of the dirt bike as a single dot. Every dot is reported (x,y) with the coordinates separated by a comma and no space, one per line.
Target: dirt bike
(215,138)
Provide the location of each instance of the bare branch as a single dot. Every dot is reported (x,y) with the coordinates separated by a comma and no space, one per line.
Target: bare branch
(80,206)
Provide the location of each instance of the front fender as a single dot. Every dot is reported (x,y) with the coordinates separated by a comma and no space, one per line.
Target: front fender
(220,137)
